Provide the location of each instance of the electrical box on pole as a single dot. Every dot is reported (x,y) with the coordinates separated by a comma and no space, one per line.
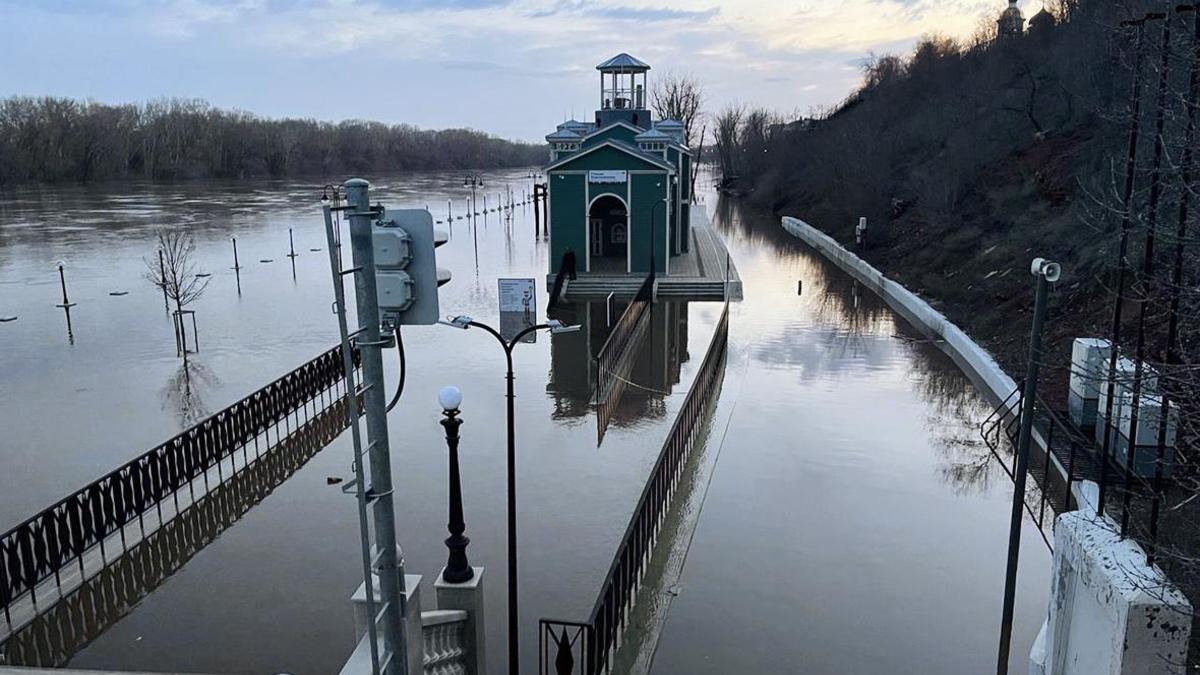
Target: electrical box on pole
(406,271)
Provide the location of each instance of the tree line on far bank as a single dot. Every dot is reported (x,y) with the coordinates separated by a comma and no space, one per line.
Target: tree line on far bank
(60,139)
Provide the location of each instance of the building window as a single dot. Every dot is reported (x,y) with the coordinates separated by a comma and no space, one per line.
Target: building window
(618,234)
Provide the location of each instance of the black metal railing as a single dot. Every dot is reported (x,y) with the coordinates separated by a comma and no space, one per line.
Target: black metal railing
(613,362)
(603,630)
(74,620)
(1061,455)
(52,543)
(563,647)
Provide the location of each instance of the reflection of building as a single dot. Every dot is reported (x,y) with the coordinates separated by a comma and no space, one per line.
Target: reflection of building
(619,181)
(653,373)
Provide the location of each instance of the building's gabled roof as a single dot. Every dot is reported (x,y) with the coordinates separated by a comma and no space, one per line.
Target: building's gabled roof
(624,63)
(618,123)
(619,145)
(655,135)
(564,135)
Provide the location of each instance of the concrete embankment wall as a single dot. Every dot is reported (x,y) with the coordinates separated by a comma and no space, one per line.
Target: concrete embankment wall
(972,358)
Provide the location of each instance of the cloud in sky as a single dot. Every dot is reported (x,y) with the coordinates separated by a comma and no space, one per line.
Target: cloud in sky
(511,67)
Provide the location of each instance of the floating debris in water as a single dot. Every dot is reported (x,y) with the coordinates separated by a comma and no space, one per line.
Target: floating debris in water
(314,249)
(6,319)
(204,274)
(333,480)
(118,293)
(266,260)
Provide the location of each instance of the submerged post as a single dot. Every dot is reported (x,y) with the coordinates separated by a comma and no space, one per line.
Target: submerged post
(237,269)
(1046,273)
(62,280)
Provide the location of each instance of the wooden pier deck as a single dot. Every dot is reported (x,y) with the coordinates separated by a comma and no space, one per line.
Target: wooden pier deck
(698,275)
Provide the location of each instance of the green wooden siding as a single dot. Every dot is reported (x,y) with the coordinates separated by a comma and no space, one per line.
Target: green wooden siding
(568,229)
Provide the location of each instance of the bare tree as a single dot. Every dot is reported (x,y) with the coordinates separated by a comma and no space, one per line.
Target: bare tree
(728,122)
(175,272)
(679,96)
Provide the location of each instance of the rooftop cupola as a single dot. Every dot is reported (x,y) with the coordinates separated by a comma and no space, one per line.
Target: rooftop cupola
(623,92)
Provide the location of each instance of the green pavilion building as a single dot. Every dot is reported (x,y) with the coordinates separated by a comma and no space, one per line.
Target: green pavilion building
(619,185)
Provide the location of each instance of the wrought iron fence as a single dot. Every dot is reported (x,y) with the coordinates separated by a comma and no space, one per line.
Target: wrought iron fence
(51,544)
(614,361)
(564,647)
(601,634)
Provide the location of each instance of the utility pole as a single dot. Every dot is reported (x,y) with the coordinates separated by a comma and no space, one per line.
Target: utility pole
(387,562)
(1046,273)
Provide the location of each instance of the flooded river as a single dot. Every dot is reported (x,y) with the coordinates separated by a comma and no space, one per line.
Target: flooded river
(850,520)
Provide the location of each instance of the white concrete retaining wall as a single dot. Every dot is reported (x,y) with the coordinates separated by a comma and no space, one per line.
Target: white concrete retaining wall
(972,358)
(1110,613)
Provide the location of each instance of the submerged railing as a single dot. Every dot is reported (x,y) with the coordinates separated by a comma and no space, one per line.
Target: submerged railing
(65,544)
(613,361)
(587,648)
(80,615)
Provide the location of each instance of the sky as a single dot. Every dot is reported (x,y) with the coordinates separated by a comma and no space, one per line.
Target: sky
(514,68)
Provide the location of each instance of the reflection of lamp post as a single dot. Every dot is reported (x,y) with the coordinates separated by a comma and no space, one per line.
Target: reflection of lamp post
(458,570)
(473,181)
(554,326)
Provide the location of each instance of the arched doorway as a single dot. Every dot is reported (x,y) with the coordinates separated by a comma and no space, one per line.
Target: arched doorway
(608,234)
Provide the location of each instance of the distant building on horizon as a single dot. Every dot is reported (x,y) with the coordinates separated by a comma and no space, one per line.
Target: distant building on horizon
(1011,23)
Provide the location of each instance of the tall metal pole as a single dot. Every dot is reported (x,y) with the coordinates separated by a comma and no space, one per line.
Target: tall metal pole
(1029,397)
(1146,283)
(1122,263)
(514,652)
(1185,197)
(335,267)
(388,564)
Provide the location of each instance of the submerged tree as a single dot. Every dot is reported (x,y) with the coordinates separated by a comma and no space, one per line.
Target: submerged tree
(174,271)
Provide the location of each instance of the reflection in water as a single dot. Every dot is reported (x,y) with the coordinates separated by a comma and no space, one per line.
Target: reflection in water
(184,392)
(863,440)
(70,332)
(55,636)
(653,368)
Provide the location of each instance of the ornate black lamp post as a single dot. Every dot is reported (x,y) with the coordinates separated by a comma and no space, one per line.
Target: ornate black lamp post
(458,570)
(554,326)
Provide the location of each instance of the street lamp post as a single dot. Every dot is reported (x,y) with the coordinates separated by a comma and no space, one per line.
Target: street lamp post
(473,181)
(458,570)
(554,326)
